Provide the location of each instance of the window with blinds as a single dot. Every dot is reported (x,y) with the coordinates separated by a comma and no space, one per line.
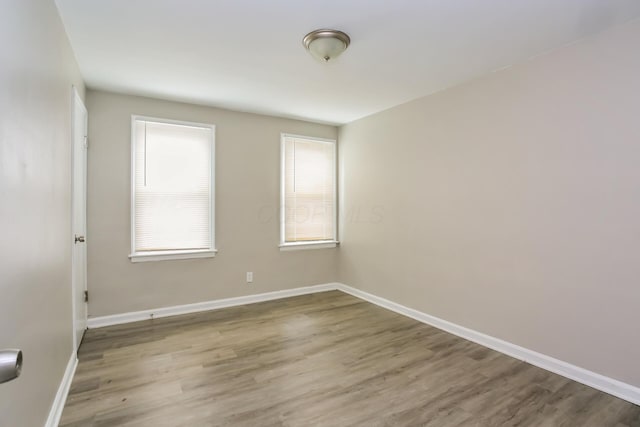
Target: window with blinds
(308,190)
(172,188)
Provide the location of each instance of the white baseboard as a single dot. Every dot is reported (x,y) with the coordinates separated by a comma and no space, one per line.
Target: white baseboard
(63,391)
(116,319)
(600,382)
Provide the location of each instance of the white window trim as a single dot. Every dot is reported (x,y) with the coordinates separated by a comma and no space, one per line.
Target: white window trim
(318,244)
(166,255)
(312,244)
(172,254)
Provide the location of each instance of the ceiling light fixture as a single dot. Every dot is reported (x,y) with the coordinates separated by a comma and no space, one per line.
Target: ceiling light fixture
(326,45)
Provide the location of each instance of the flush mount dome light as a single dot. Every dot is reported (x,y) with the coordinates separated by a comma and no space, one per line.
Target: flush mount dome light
(326,45)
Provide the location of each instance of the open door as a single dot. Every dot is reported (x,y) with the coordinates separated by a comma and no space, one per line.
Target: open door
(79,220)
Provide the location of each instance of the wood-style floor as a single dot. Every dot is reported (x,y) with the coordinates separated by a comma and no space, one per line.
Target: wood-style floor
(326,359)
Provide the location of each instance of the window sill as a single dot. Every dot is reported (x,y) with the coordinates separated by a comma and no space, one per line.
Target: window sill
(169,255)
(325,244)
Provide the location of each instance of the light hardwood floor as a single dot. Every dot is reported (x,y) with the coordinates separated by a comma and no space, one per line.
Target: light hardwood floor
(327,359)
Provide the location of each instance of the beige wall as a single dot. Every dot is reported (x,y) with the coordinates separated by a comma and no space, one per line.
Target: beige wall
(511,204)
(247,200)
(37,71)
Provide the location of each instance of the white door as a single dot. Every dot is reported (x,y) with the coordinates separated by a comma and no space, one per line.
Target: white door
(79,221)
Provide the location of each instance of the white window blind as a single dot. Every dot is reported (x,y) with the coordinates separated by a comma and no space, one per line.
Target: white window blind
(308,189)
(172,173)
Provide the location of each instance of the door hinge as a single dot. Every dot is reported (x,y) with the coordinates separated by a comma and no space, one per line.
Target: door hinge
(86,296)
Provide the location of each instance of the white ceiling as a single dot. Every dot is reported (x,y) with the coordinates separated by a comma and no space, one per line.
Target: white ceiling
(247,54)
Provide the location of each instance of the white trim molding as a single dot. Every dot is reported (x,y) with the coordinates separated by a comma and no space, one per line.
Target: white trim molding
(297,246)
(117,319)
(168,255)
(600,382)
(63,391)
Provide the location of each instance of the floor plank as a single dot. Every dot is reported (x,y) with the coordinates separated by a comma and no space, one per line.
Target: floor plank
(326,359)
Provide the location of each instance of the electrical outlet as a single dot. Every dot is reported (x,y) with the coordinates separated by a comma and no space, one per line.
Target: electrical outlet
(249,276)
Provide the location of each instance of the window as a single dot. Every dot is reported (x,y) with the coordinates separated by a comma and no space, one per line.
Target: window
(171,190)
(308,193)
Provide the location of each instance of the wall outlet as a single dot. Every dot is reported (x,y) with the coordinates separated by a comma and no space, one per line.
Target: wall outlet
(249,276)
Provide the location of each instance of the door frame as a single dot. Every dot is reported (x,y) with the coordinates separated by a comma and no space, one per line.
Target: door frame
(76,100)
